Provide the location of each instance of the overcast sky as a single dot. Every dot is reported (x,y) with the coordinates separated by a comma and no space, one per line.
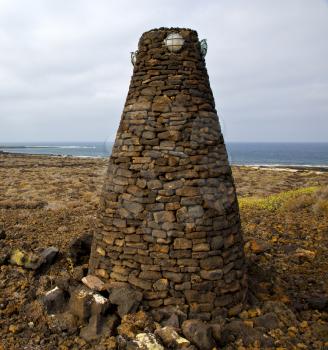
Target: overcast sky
(65,65)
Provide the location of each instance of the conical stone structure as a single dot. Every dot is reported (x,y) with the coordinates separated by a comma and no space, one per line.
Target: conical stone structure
(169,220)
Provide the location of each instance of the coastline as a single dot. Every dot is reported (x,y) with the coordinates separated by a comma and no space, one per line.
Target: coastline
(320,168)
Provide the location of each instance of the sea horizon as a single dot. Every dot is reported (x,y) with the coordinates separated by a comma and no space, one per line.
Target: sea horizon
(303,154)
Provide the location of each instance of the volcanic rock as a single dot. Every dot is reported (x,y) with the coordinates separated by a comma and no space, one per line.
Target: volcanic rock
(199,334)
(171,338)
(54,300)
(126,299)
(93,283)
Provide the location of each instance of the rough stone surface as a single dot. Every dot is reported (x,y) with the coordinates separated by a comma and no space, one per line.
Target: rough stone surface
(171,338)
(54,300)
(80,303)
(239,330)
(199,334)
(169,221)
(126,299)
(49,255)
(93,283)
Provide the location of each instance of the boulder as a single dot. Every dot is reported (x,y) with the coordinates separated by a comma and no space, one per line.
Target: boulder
(199,333)
(99,304)
(284,314)
(165,313)
(172,321)
(99,326)
(171,338)
(48,255)
(94,283)
(80,303)
(147,341)
(28,260)
(32,260)
(239,330)
(93,330)
(268,321)
(54,300)
(126,299)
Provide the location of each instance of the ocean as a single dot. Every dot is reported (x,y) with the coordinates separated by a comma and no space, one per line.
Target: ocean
(240,153)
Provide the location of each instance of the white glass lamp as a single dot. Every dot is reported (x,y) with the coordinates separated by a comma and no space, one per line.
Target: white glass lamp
(174,42)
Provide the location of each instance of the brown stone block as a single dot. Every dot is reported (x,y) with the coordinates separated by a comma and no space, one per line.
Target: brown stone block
(182,243)
(198,308)
(172,206)
(204,286)
(160,248)
(161,284)
(146,260)
(211,274)
(174,301)
(151,295)
(139,106)
(102,273)
(199,297)
(135,281)
(183,286)
(161,104)
(187,191)
(172,276)
(155,303)
(118,277)
(201,247)
(211,263)
(164,216)
(150,275)
(187,262)
(180,254)
(150,91)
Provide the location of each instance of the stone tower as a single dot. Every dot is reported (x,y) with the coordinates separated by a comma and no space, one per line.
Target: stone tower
(169,220)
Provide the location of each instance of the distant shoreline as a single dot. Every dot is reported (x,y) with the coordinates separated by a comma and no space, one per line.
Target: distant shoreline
(277,167)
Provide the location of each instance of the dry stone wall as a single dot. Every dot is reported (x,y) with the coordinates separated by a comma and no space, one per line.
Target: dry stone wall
(169,220)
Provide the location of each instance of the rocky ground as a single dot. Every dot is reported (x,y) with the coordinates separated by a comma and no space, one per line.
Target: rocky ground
(49,201)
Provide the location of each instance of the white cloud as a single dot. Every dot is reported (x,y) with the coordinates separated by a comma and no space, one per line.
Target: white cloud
(65,66)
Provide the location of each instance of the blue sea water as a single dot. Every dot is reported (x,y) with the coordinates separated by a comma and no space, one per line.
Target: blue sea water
(298,154)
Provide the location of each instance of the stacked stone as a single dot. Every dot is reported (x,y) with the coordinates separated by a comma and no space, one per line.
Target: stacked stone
(169,219)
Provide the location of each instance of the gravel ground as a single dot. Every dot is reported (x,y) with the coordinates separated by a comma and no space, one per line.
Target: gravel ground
(48,201)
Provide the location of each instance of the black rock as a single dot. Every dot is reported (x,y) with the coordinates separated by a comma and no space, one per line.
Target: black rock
(93,330)
(80,248)
(126,299)
(198,333)
(238,330)
(54,300)
(48,255)
(319,302)
(2,234)
(268,321)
